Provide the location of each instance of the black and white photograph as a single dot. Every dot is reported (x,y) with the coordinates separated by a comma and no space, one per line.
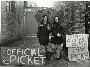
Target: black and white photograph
(45,33)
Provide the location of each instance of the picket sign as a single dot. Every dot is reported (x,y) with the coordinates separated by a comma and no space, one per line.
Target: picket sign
(77,46)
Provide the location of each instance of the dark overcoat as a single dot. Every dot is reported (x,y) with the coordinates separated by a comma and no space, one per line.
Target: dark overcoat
(56,28)
(43,34)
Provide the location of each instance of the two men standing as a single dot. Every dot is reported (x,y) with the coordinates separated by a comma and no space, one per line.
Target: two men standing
(43,34)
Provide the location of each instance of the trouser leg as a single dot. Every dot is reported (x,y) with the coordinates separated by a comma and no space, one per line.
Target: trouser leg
(46,47)
(43,48)
(58,51)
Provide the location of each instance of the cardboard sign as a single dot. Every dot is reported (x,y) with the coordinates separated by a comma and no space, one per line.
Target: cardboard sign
(77,46)
(78,53)
(77,40)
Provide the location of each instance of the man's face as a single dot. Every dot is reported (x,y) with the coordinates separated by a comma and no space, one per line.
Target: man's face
(45,18)
(56,19)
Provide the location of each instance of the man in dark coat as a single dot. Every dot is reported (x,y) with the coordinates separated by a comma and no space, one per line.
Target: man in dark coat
(57,35)
(43,33)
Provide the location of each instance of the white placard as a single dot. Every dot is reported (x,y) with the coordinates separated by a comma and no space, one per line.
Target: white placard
(77,40)
(78,53)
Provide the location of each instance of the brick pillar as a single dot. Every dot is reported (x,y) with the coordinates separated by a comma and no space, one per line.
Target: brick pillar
(79,18)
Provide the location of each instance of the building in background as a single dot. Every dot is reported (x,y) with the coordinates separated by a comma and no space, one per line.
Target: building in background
(12,20)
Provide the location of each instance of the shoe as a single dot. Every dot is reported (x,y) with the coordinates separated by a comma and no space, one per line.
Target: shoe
(58,57)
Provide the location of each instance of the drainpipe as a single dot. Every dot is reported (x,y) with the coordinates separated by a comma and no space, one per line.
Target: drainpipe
(86,19)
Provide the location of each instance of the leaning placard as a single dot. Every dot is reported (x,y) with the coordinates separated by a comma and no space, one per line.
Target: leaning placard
(78,53)
(77,40)
(77,46)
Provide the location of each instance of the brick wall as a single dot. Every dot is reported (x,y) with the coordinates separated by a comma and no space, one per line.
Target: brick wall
(79,17)
(74,16)
(11,22)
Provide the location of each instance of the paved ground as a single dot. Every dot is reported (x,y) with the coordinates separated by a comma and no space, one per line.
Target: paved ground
(63,62)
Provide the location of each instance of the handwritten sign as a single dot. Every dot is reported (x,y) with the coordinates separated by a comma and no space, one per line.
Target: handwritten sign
(25,56)
(77,40)
(78,53)
(77,46)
